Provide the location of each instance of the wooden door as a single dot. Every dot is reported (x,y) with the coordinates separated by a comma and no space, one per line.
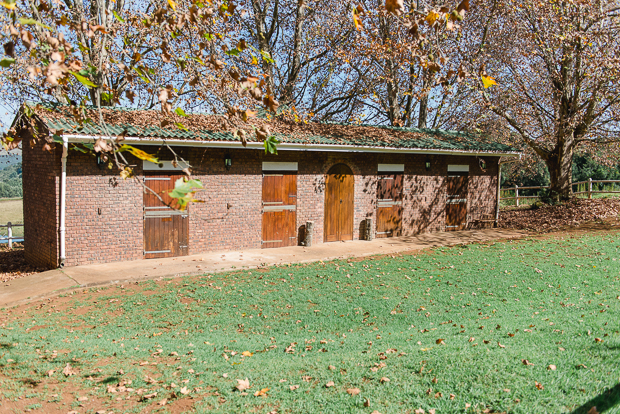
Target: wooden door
(339,188)
(389,205)
(456,201)
(279,209)
(166,229)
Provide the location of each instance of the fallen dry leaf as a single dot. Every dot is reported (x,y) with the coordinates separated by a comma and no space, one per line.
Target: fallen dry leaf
(68,371)
(329,384)
(384,379)
(82,399)
(294,387)
(366,402)
(243,385)
(593,410)
(247,353)
(551,367)
(526,362)
(184,391)
(353,391)
(539,385)
(261,393)
(419,411)
(331,367)
(163,402)
(571,213)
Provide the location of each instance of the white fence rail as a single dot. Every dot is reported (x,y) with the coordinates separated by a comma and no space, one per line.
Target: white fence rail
(9,226)
(588,191)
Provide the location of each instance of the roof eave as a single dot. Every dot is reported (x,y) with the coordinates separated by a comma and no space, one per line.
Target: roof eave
(290,146)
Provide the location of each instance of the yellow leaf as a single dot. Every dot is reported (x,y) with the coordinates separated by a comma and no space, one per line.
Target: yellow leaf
(432,17)
(261,393)
(488,81)
(247,353)
(138,153)
(9,5)
(357,20)
(172,4)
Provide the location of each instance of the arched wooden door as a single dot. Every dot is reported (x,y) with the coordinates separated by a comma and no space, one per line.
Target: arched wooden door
(339,204)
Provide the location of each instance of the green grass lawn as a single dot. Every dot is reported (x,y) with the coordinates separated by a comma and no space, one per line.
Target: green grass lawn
(445,329)
(11,210)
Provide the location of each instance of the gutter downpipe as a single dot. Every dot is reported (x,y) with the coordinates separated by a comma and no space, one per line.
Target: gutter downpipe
(63,196)
(499,184)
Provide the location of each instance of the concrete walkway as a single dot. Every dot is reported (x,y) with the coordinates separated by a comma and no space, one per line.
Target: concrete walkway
(53,282)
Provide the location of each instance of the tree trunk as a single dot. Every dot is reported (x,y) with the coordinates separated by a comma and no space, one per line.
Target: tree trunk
(560,166)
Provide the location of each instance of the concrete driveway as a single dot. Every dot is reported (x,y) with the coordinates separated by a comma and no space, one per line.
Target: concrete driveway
(53,282)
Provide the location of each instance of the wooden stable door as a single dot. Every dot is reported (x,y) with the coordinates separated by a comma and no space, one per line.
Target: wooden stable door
(339,204)
(166,229)
(389,205)
(279,209)
(456,201)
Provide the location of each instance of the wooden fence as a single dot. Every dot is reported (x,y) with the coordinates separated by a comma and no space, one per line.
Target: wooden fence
(9,226)
(588,190)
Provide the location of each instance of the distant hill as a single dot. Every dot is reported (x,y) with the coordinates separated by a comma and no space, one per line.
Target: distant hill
(11,181)
(10,158)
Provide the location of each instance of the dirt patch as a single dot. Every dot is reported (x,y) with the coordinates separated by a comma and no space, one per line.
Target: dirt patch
(51,397)
(36,328)
(572,214)
(13,264)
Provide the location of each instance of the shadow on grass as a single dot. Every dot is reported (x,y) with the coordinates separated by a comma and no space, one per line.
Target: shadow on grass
(604,402)
(111,380)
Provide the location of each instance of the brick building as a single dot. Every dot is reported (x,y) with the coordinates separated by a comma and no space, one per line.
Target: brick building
(328,182)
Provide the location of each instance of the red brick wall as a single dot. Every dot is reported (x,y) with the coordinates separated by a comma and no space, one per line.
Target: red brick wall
(230,215)
(104,212)
(41,171)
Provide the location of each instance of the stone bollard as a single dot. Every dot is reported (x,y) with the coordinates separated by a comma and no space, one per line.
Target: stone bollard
(368,229)
(309,233)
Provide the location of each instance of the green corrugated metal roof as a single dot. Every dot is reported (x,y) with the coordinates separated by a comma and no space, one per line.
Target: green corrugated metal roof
(57,118)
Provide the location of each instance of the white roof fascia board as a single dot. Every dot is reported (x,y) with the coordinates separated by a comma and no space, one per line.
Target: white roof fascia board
(286,146)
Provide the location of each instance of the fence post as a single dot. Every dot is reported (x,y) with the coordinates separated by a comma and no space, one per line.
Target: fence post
(368,229)
(590,188)
(517,194)
(9,227)
(309,233)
